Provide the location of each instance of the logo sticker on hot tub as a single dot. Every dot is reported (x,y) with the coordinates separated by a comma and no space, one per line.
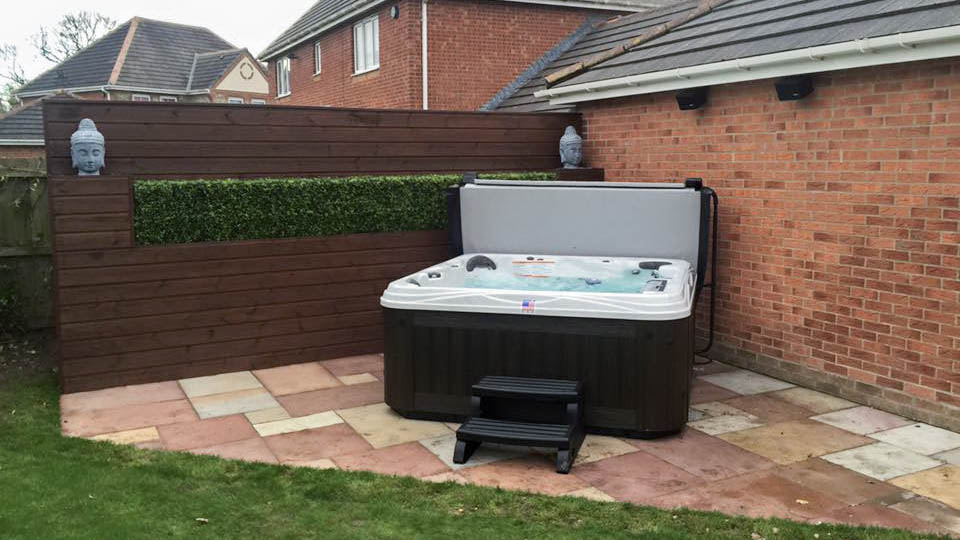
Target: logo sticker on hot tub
(529,305)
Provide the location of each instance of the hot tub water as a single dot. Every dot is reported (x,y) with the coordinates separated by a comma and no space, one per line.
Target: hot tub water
(625,281)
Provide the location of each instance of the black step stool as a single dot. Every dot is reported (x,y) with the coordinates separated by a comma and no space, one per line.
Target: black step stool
(524,412)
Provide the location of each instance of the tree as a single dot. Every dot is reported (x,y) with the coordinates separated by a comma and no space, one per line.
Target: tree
(74,32)
(54,44)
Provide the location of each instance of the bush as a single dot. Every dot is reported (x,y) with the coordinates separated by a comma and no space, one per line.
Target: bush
(11,305)
(178,212)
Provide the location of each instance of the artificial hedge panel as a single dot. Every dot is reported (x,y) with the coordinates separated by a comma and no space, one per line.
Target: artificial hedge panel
(180,212)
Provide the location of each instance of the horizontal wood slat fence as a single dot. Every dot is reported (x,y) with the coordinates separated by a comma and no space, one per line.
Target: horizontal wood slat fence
(127,314)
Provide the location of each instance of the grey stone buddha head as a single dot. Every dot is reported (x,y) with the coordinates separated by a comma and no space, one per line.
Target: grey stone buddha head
(87,149)
(571,148)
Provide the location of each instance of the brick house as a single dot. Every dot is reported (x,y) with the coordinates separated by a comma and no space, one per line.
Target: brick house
(412,54)
(141,60)
(831,131)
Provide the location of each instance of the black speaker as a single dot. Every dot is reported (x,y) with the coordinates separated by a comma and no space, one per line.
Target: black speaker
(794,88)
(691,98)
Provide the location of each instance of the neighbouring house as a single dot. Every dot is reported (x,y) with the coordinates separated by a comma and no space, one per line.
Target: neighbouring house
(831,131)
(140,60)
(413,54)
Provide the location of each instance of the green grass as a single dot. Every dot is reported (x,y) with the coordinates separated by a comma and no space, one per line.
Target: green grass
(55,487)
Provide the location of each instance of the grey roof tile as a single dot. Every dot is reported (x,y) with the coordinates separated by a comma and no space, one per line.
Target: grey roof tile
(25,123)
(90,67)
(209,67)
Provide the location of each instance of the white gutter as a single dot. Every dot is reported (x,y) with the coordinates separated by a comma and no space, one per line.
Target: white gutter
(105,88)
(425,68)
(892,49)
(21,142)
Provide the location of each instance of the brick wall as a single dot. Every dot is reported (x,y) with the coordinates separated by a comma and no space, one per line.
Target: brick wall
(839,223)
(476,47)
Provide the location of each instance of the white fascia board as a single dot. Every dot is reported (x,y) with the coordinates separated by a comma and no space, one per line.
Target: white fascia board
(337,19)
(604,6)
(21,142)
(859,53)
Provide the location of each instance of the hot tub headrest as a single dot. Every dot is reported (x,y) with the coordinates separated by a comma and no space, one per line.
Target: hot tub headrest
(581,218)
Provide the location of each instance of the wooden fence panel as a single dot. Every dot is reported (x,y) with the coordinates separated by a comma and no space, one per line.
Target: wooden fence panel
(128,314)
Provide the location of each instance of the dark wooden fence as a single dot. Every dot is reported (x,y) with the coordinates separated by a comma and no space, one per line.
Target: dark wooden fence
(128,314)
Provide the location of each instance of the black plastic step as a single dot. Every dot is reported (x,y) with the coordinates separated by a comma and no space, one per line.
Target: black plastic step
(516,433)
(554,390)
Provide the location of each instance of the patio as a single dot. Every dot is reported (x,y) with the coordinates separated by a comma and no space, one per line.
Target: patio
(755,445)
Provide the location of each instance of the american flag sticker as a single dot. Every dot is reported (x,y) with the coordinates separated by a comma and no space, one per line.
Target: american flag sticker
(529,305)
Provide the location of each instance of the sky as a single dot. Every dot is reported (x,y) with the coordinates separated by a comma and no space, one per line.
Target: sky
(253,27)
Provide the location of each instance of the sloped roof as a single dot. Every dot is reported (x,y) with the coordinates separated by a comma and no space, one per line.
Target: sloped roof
(143,54)
(737,30)
(325,14)
(25,123)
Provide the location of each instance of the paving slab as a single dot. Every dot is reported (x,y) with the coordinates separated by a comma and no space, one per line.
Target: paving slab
(707,457)
(720,408)
(533,473)
(443,447)
(789,442)
(122,396)
(204,433)
(408,459)
(746,382)
(313,444)
(357,379)
(769,409)
(267,415)
(446,477)
(328,399)
(382,427)
(352,365)
(813,401)
(881,461)
(840,483)
(877,515)
(322,463)
(941,484)
(597,447)
(715,425)
(219,384)
(591,493)
(694,414)
(710,367)
(300,423)
(638,477)
(240,401)
(132,436)
(254,450)
(296,378)
(701,391)
(862,420)
(951,456)
(931,511)
(921,438)
(100,421)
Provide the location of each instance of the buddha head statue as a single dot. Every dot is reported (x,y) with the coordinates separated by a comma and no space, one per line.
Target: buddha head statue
(571,148)
(87,149)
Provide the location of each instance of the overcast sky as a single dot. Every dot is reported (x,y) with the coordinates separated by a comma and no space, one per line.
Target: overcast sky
(245,24)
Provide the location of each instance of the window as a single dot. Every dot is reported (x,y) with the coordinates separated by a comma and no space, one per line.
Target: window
(140,97)
(366,45)
(258,102)
(283,76)
(168,99)
(316,59)
(235,100)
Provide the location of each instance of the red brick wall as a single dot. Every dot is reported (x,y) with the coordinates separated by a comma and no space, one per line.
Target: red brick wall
(476,47)
(839,220)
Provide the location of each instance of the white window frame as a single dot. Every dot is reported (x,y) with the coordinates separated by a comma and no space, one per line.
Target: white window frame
(168,99)
(235,100)
(283,68)
(258,101)
(140,98)
(317,64)
(366,45)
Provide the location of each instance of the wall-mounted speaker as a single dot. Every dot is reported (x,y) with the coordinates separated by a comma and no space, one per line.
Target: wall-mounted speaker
(691,98)
(794,87)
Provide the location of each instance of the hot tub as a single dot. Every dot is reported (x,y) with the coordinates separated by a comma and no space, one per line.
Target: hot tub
(582,310)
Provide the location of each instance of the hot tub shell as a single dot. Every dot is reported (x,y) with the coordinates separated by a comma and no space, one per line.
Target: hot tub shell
(635,365)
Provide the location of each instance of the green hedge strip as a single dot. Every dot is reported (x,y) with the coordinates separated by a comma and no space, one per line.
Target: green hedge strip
(186,211)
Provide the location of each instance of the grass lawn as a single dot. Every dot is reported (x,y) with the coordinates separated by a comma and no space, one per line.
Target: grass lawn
(55,487)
